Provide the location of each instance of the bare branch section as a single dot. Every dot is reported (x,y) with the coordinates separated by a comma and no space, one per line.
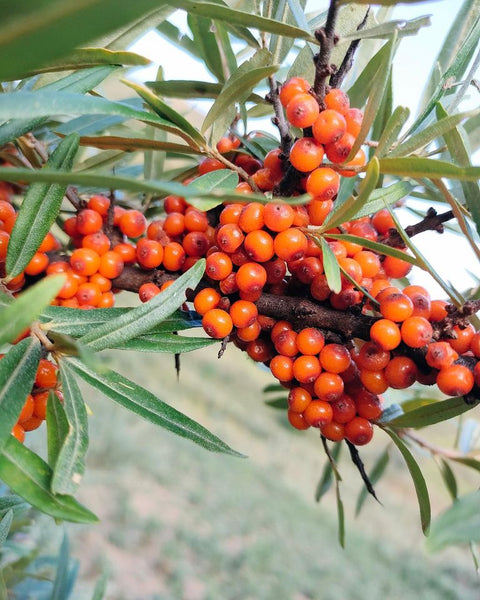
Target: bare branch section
(327,39)
(431,222)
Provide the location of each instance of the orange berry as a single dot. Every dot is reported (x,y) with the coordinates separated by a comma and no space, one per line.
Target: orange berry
(174,204)
(49,243)
(401,372)
(18,432)
(282,367)
(335,358)
(195,244)
(372,357)
(127,252)
(329,126)
(69,288)
(278,216)
(353,120)
(344,409)
(297,420)
(461,343)
(292,87)
(250,333)
(147,291)
(306,269)
(100,204)
(195,220)
(224,144)
(306,154)
(46,376)
(251,277)
(323,183)
(440,355)
(88,221)
(298,399)
(88,294)
(243,313)
(416,332)
(228,286)
(32,423)
(455,380)
(310,341)
(359,160)
(208,165)
(276,270)
(218,266)
(386,334)
(302,111)
(335,432)
(229,237)
(133,223)
(107,300)
(38,263)
(318,210)
(291,244)
(85,261)
(369,406)
(4,239)
(375,381)
(217,323)
(111,264)
(149,253)
(285,342)
(27,409)
(173,256)
(205,300)
(260,350)
(396,268)
(337,99)
(437,310)
(231,213)
(251,217)
(259,246)
(396,306)
(306,369)
(475,345)
(359,431)
(318,413)
(328,386)
(338,151)
(319,287)
(97,241)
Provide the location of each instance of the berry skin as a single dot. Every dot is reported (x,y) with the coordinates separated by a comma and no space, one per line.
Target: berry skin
(329,127)
(372,357)
(335,358)
(250,333)
(88,294)
(88,221)
(18,432)
(310,341)
(251,217)
(359,160)
(440,355)
(251,277)
(297,420)
(38,263)
(359,431)
(205,300)
(298,399)
(217,323)
(318,210)
(258,245)
(111,264)
(229,237)
(335,432)
(27,409)
(323,183)
(208,165)
(292,87)
(100,204)
(437,310)
(243,313)
(231,213)
(328,386)
(386,334)
(338,151)
(260,350)
(46,376)
(195,244)
(195,220)
(306,369)
(344,409)
(133,223)
(173,256)
(318,413)
(127,252)
(401,372)
(353,119)
(290,245)
(302,111)
(396,268)
(85,261)
(174,224)
(369,406)
(218,266)
(97,241)
(455,380)
(337,100)
(282,367)
(461,343)
(306,154)
(416,332)
(396,307)
(147,291)
(285,342)
(278,217)
(375,381)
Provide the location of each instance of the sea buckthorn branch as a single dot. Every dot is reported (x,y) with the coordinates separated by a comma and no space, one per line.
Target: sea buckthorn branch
(279,120)
(337,78)
(431,222)
(327,39)
(432,448)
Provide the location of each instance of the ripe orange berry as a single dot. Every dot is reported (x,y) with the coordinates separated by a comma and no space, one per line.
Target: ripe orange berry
(250,333)
(386,334)
(276,270)
(97,241)
(258,245)
(27,409)
(251,217)
(369,406)
(319,287)
(278,216)
(338,151)
(18,432)
(85,261)
(335,432)
(173,256)
(306,369)
(461,343)
(440,355)
(306,269)
(231,213)
(195,220)
(396,306)
(337,99)
(437,310)
(310,341)
(243,313)
(88,294)
(195,244)
(369,262)
(297,420)
(4,239)
(46,376)
(318,210)
(147,291)
(335,358)
(359,431)
(32,423)
(291,244)
(107,300)
(100,204)
(251,277)
(38,263)
(224,144)
(174,204)
(353,119)
(416,332)
(329,126)
(49,243)
(285,342)
(88,221)
(343,409)
(298,399)
(318,413)
(401,372)
(133,223)
(306,154)
(217,323)
(395,268)
(218,266)
(282,367)
(205,300)
(455,380)
(208,165)
(359,160)
(302,111)
(111,264)
(229,237)
(372,357)
(260,350)
(475,345)
(328,386)
(375,381)
(292,87)
(174,224)
(352,268)
(323,183)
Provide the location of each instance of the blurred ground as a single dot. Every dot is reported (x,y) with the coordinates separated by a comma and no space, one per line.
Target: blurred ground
(178,522)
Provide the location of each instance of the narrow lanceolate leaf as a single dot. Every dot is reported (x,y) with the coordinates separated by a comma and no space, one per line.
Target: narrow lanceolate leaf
(330,265)
(5,525)
(340,515)
(432,132)
(416,167)
(39,209)
(219,180)
(12,502)
(377,247)
(433,413)
(61,584)
(375,474)
(84,58)
(385,30)
(142,402)
(165,111)
(165,342)
(17,374)
(239,86)
(70,464)
(18,315)
(131,144)
(325,482)
(192,89)
(221,12)
(391,131)
(57,428)
(206,44)
(449,478)
(30,477)
(459,524)
(79,82)
(418,480)
(349,210)
(386,196)
(145,317)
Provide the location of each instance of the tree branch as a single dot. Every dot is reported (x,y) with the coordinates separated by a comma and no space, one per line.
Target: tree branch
(327,39)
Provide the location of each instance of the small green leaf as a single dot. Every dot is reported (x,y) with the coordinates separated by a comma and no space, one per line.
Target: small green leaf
(132,144)
(12,502)
(57,427)
(145,404)
(140,320)
(449,479)
(330,265)
(189,89)
(30,477)
(376,473)
(433,413)
(375,246)
(60,585)
(19,314)
(385,30)
(70,464)
(360,90)
(418,480)
(221,179)
(166,342)
(39,210)
(391,131)
(340,515)
(417,167)
(206,44)
(5,525)
(386,196)
(18,368)
(472,463)
(325,482)
(459,524)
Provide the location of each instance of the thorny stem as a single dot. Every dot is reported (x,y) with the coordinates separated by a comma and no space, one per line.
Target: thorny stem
(327,39)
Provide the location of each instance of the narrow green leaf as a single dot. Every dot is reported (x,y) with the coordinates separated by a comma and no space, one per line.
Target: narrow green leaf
(18,368)
(37,32)
(376,246)
(325,482)
(70,464)
(145,404)
(39,209)
(472,463)
(340,515)
(386,196)
(60,584)
(239,86)
(375,474)
(29,477)
(166,342)
(272,387)
(132,144)
(57,428)
(221,12)
(80,82)
(140,320)
(360,90)
(385,30)
(18,315)
(84,58)
(123,37)
(206,45)
(330,265)
(163,110)
(280,402)
(101,586)
(348,210)
(391,131)
(13,503)
(418,480)
(459,524)
(221,179)
(5,525)
(449,478)
(189,89)
(433,413)
(421,139)
(416,167)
